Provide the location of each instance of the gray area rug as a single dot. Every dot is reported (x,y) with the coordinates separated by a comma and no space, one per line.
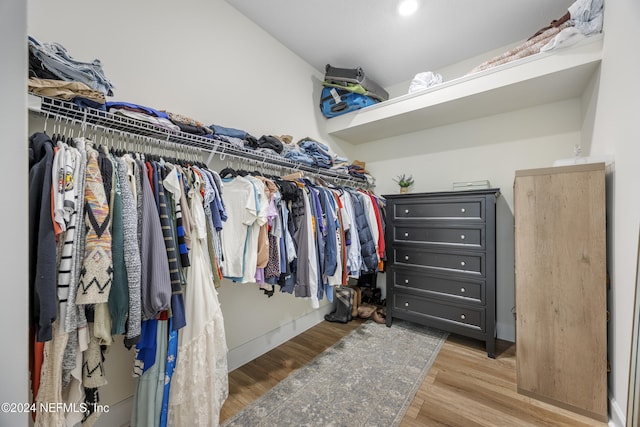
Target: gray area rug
(368,378)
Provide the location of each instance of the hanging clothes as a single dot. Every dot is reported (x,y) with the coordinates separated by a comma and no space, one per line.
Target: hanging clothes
(367,244)
(131,253)
(164,211)
(155,278)
(97,271)
(147,399)
(142,244)
(42,244)
(307,273)
(352,237)
(200,384)
(254,249)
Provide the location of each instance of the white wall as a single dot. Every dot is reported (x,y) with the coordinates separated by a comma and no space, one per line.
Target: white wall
(491,148)
(14,163)
(616,132)
(199,58)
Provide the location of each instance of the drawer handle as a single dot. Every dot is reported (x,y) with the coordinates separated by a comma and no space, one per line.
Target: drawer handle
(406,211)
(462,263)
(406,304)
(406,257)
(462,237)
(406,234)
(463,210)
(462,290)
(462,316)
(406,281)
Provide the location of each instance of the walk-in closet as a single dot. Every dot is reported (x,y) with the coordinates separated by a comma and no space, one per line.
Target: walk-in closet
(191,240)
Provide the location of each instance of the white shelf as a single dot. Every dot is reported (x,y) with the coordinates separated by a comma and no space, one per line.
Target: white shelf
(535,80)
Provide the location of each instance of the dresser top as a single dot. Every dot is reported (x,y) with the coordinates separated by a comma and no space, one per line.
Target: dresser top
(494,191)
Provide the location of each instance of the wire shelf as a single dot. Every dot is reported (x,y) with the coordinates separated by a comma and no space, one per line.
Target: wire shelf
(90,118)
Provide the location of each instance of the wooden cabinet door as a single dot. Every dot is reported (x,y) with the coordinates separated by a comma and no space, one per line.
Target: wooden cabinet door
(560,256)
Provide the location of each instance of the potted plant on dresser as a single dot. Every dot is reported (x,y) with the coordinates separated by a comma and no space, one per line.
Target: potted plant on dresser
(404,182)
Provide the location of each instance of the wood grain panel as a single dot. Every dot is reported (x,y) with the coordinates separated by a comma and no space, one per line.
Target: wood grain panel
(560,246)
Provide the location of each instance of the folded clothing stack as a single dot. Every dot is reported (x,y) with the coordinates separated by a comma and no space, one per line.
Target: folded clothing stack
(189,125)
(266,143)
(294,152)
(318,151)
(51,61)
(76,92)
(143,113)
(357,169)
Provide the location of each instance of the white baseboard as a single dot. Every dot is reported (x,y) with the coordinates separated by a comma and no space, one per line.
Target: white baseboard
(248,351)
(617,415)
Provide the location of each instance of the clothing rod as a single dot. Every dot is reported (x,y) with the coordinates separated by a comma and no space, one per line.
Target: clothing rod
(113,137)
(126,126)
(347,182)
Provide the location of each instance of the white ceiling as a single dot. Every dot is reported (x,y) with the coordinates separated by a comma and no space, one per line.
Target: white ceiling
(392,49)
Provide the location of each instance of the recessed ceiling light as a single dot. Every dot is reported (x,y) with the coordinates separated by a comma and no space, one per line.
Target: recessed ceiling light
(407,7)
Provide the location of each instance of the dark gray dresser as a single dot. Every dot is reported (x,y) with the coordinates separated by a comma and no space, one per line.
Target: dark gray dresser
(441,261)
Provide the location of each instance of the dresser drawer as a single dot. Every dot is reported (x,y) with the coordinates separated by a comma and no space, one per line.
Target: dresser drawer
(471,291)
(462,315)
(470,209)
(471,237)
(463,262)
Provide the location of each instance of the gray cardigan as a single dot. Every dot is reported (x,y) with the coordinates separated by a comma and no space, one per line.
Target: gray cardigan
(155,280)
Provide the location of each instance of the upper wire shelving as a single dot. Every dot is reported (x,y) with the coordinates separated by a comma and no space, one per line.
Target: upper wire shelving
(114,123)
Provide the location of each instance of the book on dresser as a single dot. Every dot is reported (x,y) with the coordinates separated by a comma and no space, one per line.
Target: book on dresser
(441,261)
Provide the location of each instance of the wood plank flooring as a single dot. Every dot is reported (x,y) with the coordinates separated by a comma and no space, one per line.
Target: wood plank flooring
(463,387)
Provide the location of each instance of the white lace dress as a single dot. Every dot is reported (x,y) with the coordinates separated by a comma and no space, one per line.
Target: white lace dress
(199,385)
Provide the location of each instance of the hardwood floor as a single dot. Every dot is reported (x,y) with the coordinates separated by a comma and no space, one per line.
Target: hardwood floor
(463,387)
(251,380)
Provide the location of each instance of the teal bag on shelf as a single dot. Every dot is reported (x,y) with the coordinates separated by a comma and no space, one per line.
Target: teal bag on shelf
(335,101)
